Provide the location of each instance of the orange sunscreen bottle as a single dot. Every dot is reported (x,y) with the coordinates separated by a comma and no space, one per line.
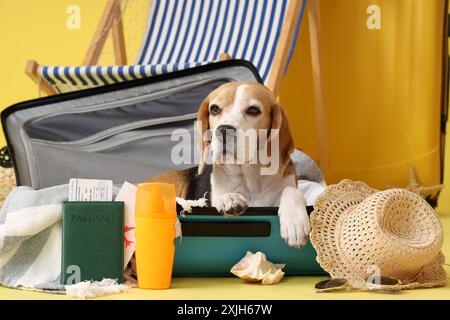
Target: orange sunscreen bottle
(155,215)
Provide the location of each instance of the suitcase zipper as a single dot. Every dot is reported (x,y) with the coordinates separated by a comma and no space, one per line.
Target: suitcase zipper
(106,145)
(116,130)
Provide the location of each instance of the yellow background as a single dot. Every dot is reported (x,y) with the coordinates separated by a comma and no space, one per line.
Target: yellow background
(401,82)
(37,30)
(382,91)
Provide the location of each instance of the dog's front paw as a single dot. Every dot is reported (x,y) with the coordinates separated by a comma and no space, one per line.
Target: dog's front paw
(231,204)
(294,225)
(294,229)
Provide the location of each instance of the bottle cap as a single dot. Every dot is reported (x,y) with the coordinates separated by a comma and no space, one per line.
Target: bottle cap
(156,200)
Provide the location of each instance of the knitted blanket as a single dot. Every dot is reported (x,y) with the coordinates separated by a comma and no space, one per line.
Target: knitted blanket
(30,238)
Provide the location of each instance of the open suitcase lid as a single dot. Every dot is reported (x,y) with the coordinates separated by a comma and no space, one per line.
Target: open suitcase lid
(101,133)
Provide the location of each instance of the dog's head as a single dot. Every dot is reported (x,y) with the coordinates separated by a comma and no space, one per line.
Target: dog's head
(239,108)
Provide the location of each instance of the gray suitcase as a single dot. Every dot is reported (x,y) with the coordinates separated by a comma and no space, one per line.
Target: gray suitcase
(120,132)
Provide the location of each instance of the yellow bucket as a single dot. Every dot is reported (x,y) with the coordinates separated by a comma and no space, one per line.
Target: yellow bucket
(372,87)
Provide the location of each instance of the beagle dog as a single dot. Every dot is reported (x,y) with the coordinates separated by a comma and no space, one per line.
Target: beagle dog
(234,181)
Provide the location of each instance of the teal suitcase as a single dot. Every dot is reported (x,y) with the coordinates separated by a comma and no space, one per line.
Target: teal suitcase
(211,243)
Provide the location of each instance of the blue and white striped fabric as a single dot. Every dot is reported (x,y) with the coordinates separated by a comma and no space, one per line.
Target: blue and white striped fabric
(65,79)
(182,34)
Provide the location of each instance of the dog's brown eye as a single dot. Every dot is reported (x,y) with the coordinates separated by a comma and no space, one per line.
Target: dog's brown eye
(253,111)
(214,109)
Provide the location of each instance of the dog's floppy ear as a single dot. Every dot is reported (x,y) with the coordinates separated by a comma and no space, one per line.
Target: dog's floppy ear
(280,130)
(202,127)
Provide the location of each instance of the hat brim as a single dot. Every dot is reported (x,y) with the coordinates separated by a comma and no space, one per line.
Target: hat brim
(335,203)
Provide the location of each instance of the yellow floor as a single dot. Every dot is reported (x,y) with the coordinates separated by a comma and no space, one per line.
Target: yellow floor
(233,288)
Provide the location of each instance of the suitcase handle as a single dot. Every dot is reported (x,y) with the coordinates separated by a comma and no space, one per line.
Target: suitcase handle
(226,229)
(251,211)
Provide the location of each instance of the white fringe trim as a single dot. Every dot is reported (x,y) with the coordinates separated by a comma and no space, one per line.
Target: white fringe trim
(187,205)
(93,289)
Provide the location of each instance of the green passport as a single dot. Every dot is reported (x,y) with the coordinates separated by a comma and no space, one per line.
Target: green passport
(92,241)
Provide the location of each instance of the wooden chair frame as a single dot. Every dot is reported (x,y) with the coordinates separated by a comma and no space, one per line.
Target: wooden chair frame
(318,85)
(111,20)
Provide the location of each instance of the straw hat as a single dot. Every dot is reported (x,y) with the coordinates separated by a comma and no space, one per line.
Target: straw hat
(359,232)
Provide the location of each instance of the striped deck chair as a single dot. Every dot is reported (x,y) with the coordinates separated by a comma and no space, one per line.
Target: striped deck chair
(182,34)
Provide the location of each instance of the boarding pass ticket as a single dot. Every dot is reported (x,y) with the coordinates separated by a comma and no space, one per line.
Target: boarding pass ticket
(90,190)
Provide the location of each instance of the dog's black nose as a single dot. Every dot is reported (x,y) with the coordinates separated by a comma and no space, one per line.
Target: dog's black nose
(225,131)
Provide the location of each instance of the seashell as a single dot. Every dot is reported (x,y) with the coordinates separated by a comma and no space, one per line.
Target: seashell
(255,267)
